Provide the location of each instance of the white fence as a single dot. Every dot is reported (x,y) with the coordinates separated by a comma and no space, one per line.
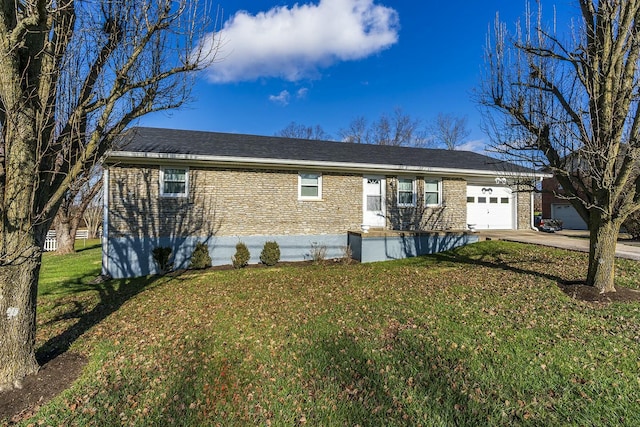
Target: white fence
(51,243)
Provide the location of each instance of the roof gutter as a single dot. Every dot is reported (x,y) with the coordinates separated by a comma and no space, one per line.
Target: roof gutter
(115,157)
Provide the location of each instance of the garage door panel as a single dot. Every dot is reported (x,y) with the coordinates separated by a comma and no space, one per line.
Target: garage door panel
(570,218)
(490,207)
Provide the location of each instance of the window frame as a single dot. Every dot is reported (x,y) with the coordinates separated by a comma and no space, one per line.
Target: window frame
(163,181)
(318,186)
(438,182)
(413,191)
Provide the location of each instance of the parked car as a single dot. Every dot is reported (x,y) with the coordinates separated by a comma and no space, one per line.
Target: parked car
(549,225)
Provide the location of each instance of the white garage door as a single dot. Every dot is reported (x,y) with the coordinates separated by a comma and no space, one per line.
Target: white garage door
(490,207)
(569,216)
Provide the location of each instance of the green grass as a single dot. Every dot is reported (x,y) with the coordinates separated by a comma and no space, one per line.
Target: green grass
(66,274)
(478,336)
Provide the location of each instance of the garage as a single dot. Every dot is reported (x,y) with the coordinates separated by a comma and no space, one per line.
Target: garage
(568,215)
(490,207)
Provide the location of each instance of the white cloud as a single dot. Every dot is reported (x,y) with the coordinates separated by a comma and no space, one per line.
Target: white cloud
(478,146)
(282,98)
(295,42)
(302,93)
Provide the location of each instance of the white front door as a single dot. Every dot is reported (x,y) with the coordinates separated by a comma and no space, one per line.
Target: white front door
(373,201)
(490,207)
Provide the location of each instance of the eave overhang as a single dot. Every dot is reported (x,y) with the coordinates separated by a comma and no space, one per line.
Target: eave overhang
(134,157)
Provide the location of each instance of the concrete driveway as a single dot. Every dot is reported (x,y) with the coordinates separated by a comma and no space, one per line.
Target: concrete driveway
(574,240)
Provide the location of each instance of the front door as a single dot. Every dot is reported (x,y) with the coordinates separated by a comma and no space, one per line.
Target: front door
(374,201)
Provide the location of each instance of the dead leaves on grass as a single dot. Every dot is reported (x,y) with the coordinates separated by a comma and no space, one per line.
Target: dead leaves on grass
(294,346)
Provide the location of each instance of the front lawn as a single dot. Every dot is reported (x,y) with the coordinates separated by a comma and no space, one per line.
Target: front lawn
(479,336)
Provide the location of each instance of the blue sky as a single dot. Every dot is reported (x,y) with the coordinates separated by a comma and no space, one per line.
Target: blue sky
(326,62)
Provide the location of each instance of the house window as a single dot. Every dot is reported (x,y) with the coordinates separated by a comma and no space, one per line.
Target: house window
(406,192)
(309,186)
(431,192)
(174,182)
(374,195)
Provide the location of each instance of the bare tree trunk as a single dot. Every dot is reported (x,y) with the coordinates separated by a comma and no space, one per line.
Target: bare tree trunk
(20,251)
(603,237)
(66,227)
(71,212)
(73,76)
(18,288)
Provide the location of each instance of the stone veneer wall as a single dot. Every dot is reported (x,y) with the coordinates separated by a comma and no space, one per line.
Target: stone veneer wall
(243,202)
(454,196)
(524,213)
(452,215)
(230,202)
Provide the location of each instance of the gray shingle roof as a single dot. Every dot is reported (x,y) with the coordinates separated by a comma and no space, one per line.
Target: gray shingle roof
(199,143)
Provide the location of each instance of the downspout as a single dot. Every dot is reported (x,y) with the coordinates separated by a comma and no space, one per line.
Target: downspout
(105,221)
(532,215)
(516,211)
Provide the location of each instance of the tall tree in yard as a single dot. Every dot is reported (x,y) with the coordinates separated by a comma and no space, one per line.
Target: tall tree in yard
(93,216)
(570,104)
(73,75)
(71,213)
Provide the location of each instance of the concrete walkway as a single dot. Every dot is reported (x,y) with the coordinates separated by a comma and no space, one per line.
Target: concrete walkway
(567,239)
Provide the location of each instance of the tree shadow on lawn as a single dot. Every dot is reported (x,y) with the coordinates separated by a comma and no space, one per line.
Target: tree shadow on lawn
(500,259)
(87,246)
(59,368)
(539,267)
(408,385)
(112,295)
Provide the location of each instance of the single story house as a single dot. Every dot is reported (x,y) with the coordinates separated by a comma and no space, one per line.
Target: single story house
(166,187)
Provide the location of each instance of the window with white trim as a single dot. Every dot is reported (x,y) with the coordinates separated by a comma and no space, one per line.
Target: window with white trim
(309,186)
(174,181)
(432,192)
(406,192)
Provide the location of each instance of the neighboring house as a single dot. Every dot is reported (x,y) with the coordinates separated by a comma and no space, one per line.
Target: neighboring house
(173,188)
(557,207)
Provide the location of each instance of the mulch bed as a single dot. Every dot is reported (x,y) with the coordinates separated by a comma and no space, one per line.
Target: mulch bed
(37,389)
(583,292)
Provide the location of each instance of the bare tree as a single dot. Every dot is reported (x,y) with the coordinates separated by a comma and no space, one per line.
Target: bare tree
(73,76)
(398,129)
(570,104)
(75,202)
(356,132)
(93,216)
(449,130)
(295,130)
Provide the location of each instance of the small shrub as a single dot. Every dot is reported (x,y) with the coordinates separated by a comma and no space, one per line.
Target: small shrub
(347,255)
(242,256)
(318,253)
(162,257)
(270,254)
(200,257)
